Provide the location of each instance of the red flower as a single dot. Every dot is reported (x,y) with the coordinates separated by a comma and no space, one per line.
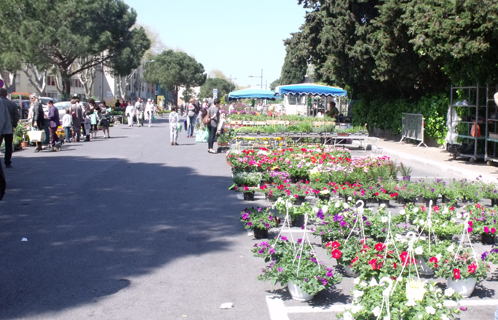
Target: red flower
(472,268)
(336,254)
(395,265)
(373,264)
(380,246)
(376,194)
(404,258)
(456,274)
(353,261)
(434,260)
(336,244)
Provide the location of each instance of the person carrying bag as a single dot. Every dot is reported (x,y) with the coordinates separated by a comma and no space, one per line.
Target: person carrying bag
(212,118)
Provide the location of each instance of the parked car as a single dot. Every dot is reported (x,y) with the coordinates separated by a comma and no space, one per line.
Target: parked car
(23,107)
(62,106)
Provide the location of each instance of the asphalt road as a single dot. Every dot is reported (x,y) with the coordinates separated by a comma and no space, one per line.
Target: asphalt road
(134,228)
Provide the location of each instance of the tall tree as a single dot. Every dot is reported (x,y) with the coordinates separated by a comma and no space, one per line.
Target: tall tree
(173,70)
(223,86)
(55,33)
(296,61)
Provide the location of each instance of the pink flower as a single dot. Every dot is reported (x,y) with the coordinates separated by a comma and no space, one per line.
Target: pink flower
(486,229)
(471,223)
(493,230)
(470,229)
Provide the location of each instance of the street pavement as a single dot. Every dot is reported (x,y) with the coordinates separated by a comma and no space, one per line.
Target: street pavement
(134,228)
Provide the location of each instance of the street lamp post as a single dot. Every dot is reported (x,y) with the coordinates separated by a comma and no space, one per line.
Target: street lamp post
(259,77)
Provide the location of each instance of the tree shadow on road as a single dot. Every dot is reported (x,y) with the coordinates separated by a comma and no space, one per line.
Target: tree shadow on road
(94,225)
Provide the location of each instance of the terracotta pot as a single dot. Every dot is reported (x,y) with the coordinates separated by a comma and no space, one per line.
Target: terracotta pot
(24,144)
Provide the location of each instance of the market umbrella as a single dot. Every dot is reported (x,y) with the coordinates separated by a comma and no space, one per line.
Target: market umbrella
(252,93)
(308,88)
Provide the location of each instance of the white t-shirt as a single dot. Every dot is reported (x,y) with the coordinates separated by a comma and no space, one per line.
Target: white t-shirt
(67,120)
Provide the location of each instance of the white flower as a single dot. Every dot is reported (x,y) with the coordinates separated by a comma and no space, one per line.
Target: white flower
(444,317)
(415,221)
(386,318)
(315,209)
(422,238)
(402,212)
(350,198)
(363,284)
(356,280)
(411,303)
(439,306)
(438,256)
(373,283)
(430,310)
(376,311)
(415,210)
(337,204)
(348,316)
(357,293)
(382,205)
(421,222)
(451,248)
(356,308)
(449,292)
(453,220)
(325,208)
(383,219)
(420,316)
(445,210)
(419,250)
(346,205)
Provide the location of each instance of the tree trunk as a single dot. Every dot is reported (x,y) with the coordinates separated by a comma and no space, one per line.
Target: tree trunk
(66,86)
(9,80)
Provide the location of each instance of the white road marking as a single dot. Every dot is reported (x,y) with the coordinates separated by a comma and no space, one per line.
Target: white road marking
(276,307)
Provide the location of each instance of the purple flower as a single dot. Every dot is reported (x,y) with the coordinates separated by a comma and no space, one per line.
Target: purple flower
(245,215)
(267,225)
(259,209)
(283,238)
(271,251)
(368,223)
(249,223)
(300,240)
(262,250)
(324,281)
(343,223)
(384,230)
(280,269)
(338,218)
(320,214)
(484,255)
(330,274)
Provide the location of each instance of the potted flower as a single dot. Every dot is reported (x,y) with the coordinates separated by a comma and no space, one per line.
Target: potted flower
(299,191)
(295,265)
(335,221)
(461,269)
(259,220)
(407,192)
(482,221)
(346,253)
(405,171)
(408,299)
(429,191)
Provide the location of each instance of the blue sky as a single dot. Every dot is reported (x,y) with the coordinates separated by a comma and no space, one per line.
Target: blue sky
(238,37)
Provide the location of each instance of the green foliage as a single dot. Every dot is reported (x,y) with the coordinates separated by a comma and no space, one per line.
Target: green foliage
(224,87)
(55,33)
(295,63)
(173,69)
(387,114)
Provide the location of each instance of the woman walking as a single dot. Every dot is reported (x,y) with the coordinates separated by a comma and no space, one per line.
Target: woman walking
(38,117)
(94,117)
(149,111)
(130,113)
(104,120)
(214,116)
(191,118)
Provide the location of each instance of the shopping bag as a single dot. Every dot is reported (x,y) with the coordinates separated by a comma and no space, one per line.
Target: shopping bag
(202,136)
(36,136)
(475,131)
(179,127)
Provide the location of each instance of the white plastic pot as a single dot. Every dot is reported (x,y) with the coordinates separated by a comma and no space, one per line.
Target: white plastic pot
(465,287)
(297,293)
(350,272)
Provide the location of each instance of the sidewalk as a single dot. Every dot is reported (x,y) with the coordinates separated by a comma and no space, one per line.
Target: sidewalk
(437,158)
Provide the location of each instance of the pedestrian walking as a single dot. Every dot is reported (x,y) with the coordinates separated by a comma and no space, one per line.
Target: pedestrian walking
(130,113)
(191,116)
(214,117)
(84,108)
(14,119)
(67,124)
(150,111)
(78,119)
(174,120)
(53,124)
(38,117)
(88,124)
(104,120)
(94,118)
(139,109)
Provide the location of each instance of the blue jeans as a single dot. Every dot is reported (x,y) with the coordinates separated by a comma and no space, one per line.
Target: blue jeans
(190,129)
(67,131)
